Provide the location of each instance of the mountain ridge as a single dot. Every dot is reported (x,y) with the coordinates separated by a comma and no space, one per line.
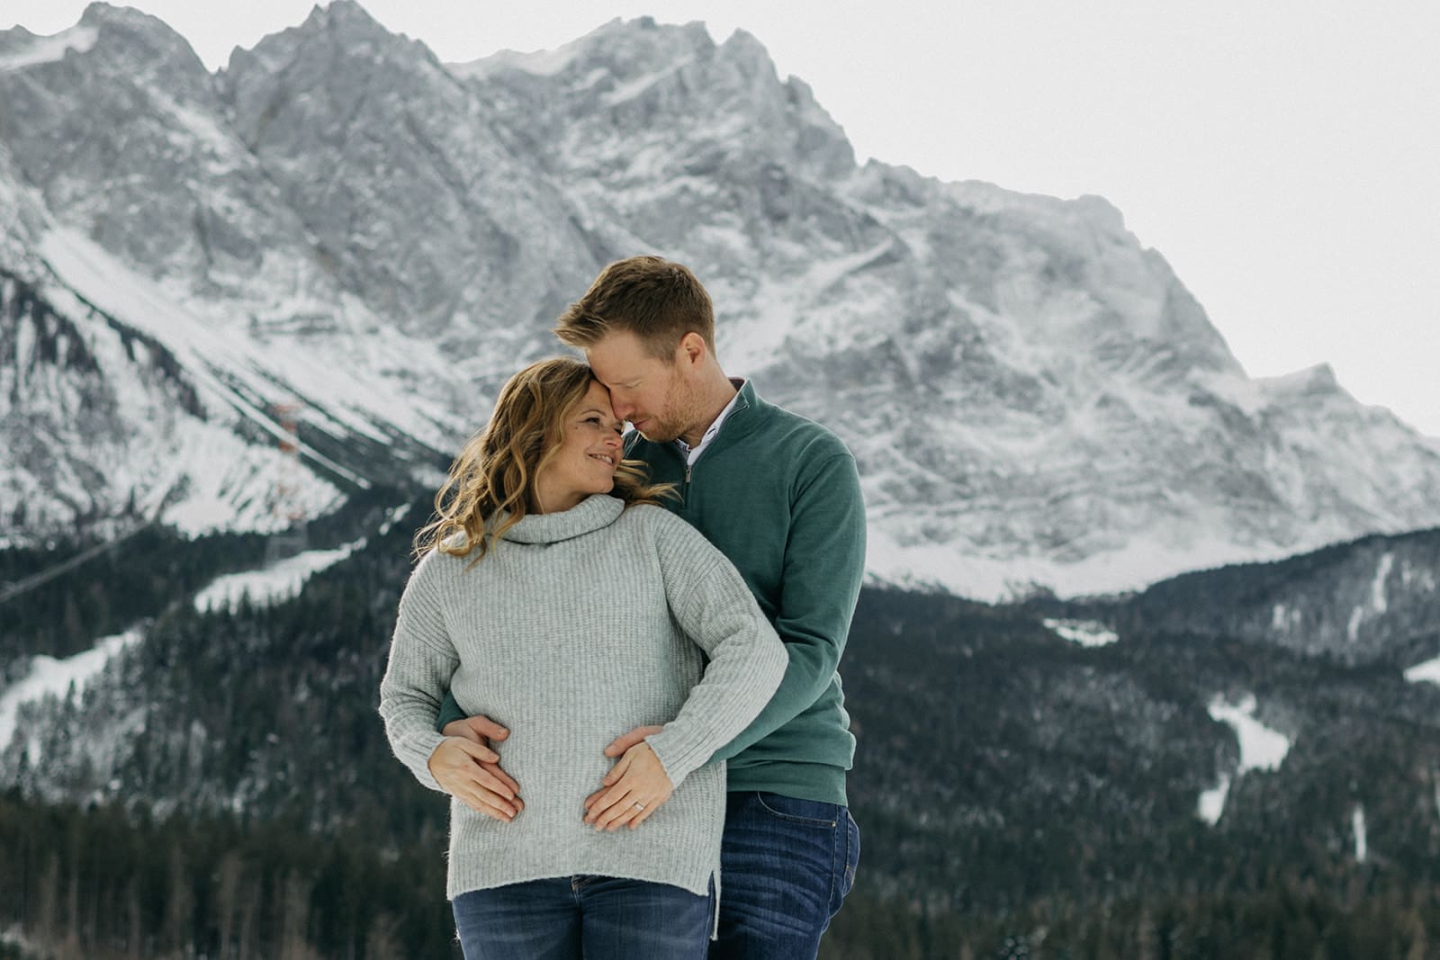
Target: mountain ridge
(1034,397)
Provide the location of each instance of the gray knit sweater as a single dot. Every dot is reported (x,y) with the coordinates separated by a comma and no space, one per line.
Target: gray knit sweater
(578,627)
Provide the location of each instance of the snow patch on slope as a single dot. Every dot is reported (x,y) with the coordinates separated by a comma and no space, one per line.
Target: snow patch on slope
(1140,562)
(50,49)
(1377,588)
(270,584)
(1087,633)
(1212,801)
(1261,748)
(51,677)
(1427,672)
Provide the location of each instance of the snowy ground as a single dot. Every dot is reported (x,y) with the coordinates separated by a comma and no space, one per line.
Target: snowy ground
(270,584)
(1212,801)
(957,569)
(1427,672)
(1087,633)
(1261,748)
(51,677)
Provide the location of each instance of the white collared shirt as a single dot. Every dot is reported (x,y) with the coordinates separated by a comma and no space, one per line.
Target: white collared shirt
(693,453)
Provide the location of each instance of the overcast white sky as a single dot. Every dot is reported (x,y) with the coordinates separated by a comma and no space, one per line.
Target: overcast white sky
(1284,156)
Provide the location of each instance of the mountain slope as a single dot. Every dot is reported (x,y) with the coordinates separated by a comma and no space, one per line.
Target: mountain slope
(339,220)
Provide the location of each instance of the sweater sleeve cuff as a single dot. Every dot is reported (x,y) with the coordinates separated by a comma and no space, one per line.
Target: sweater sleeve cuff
(677,757)
(417,751)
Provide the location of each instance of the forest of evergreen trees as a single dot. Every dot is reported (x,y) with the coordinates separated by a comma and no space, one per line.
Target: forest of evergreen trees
(1019,796)
(99,884)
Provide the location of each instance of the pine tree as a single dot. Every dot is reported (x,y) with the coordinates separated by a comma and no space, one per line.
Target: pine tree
(226,894)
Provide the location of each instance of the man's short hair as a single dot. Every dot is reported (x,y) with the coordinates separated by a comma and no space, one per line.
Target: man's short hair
(657,300)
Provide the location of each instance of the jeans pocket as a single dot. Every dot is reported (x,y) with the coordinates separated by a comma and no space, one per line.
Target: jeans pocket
(811,812)
(852,854)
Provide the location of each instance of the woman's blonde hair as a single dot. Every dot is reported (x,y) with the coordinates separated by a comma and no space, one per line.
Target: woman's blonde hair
(491,486)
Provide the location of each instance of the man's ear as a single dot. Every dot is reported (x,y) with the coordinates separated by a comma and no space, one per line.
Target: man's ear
(691,350)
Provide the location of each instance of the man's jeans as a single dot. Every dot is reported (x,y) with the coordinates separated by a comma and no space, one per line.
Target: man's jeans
(594,917)
(786,866)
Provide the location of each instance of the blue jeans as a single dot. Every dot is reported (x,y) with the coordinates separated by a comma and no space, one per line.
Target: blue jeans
(785,868)
(598,918)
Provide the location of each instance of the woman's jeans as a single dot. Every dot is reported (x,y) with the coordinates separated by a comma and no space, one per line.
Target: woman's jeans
(785,868)
(598,918)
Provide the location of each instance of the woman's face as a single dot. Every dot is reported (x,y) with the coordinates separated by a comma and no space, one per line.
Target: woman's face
(586,459)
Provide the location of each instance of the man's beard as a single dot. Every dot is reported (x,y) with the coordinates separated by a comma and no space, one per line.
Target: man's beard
(680,414)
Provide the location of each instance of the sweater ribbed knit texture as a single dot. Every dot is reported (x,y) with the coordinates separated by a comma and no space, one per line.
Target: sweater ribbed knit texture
(580,626)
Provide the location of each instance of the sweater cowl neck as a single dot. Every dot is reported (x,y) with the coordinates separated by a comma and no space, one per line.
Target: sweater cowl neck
(591,514)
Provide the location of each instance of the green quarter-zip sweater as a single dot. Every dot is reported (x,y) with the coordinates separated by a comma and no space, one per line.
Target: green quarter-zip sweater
(779,495)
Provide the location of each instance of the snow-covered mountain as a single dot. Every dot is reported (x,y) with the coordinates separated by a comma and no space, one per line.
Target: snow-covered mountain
(340,220)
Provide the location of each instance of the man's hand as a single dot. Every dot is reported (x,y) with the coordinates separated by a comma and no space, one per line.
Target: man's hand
(625,741)
(480,730)
(635,788)
(456,765)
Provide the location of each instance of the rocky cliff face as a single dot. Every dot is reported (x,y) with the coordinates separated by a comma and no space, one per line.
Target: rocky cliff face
(339,219)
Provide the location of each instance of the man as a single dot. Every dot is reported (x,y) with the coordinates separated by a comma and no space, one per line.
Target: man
(780,496)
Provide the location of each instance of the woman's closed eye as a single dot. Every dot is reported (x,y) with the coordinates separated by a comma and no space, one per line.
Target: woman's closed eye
(619,427)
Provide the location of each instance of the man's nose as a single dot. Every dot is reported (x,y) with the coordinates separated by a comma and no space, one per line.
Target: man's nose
(622,408)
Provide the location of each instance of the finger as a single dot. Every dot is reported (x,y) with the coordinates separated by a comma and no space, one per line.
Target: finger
(627,740)
(488,781)
(479,752)
(482,801)
(607,803)
(501,775)
(590,800)
(618,771)
(614,779)
(460,729)
(642,815)
(626,818)
(485,727)
(619,814)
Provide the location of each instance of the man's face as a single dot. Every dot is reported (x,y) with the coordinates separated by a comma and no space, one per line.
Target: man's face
(655,396)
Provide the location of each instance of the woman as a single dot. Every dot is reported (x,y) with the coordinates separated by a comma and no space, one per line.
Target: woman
(555,597)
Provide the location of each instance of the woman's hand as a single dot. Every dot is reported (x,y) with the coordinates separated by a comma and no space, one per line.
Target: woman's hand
(638,785)
(460,767)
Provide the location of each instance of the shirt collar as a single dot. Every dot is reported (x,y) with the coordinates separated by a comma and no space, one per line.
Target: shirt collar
(692,454)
